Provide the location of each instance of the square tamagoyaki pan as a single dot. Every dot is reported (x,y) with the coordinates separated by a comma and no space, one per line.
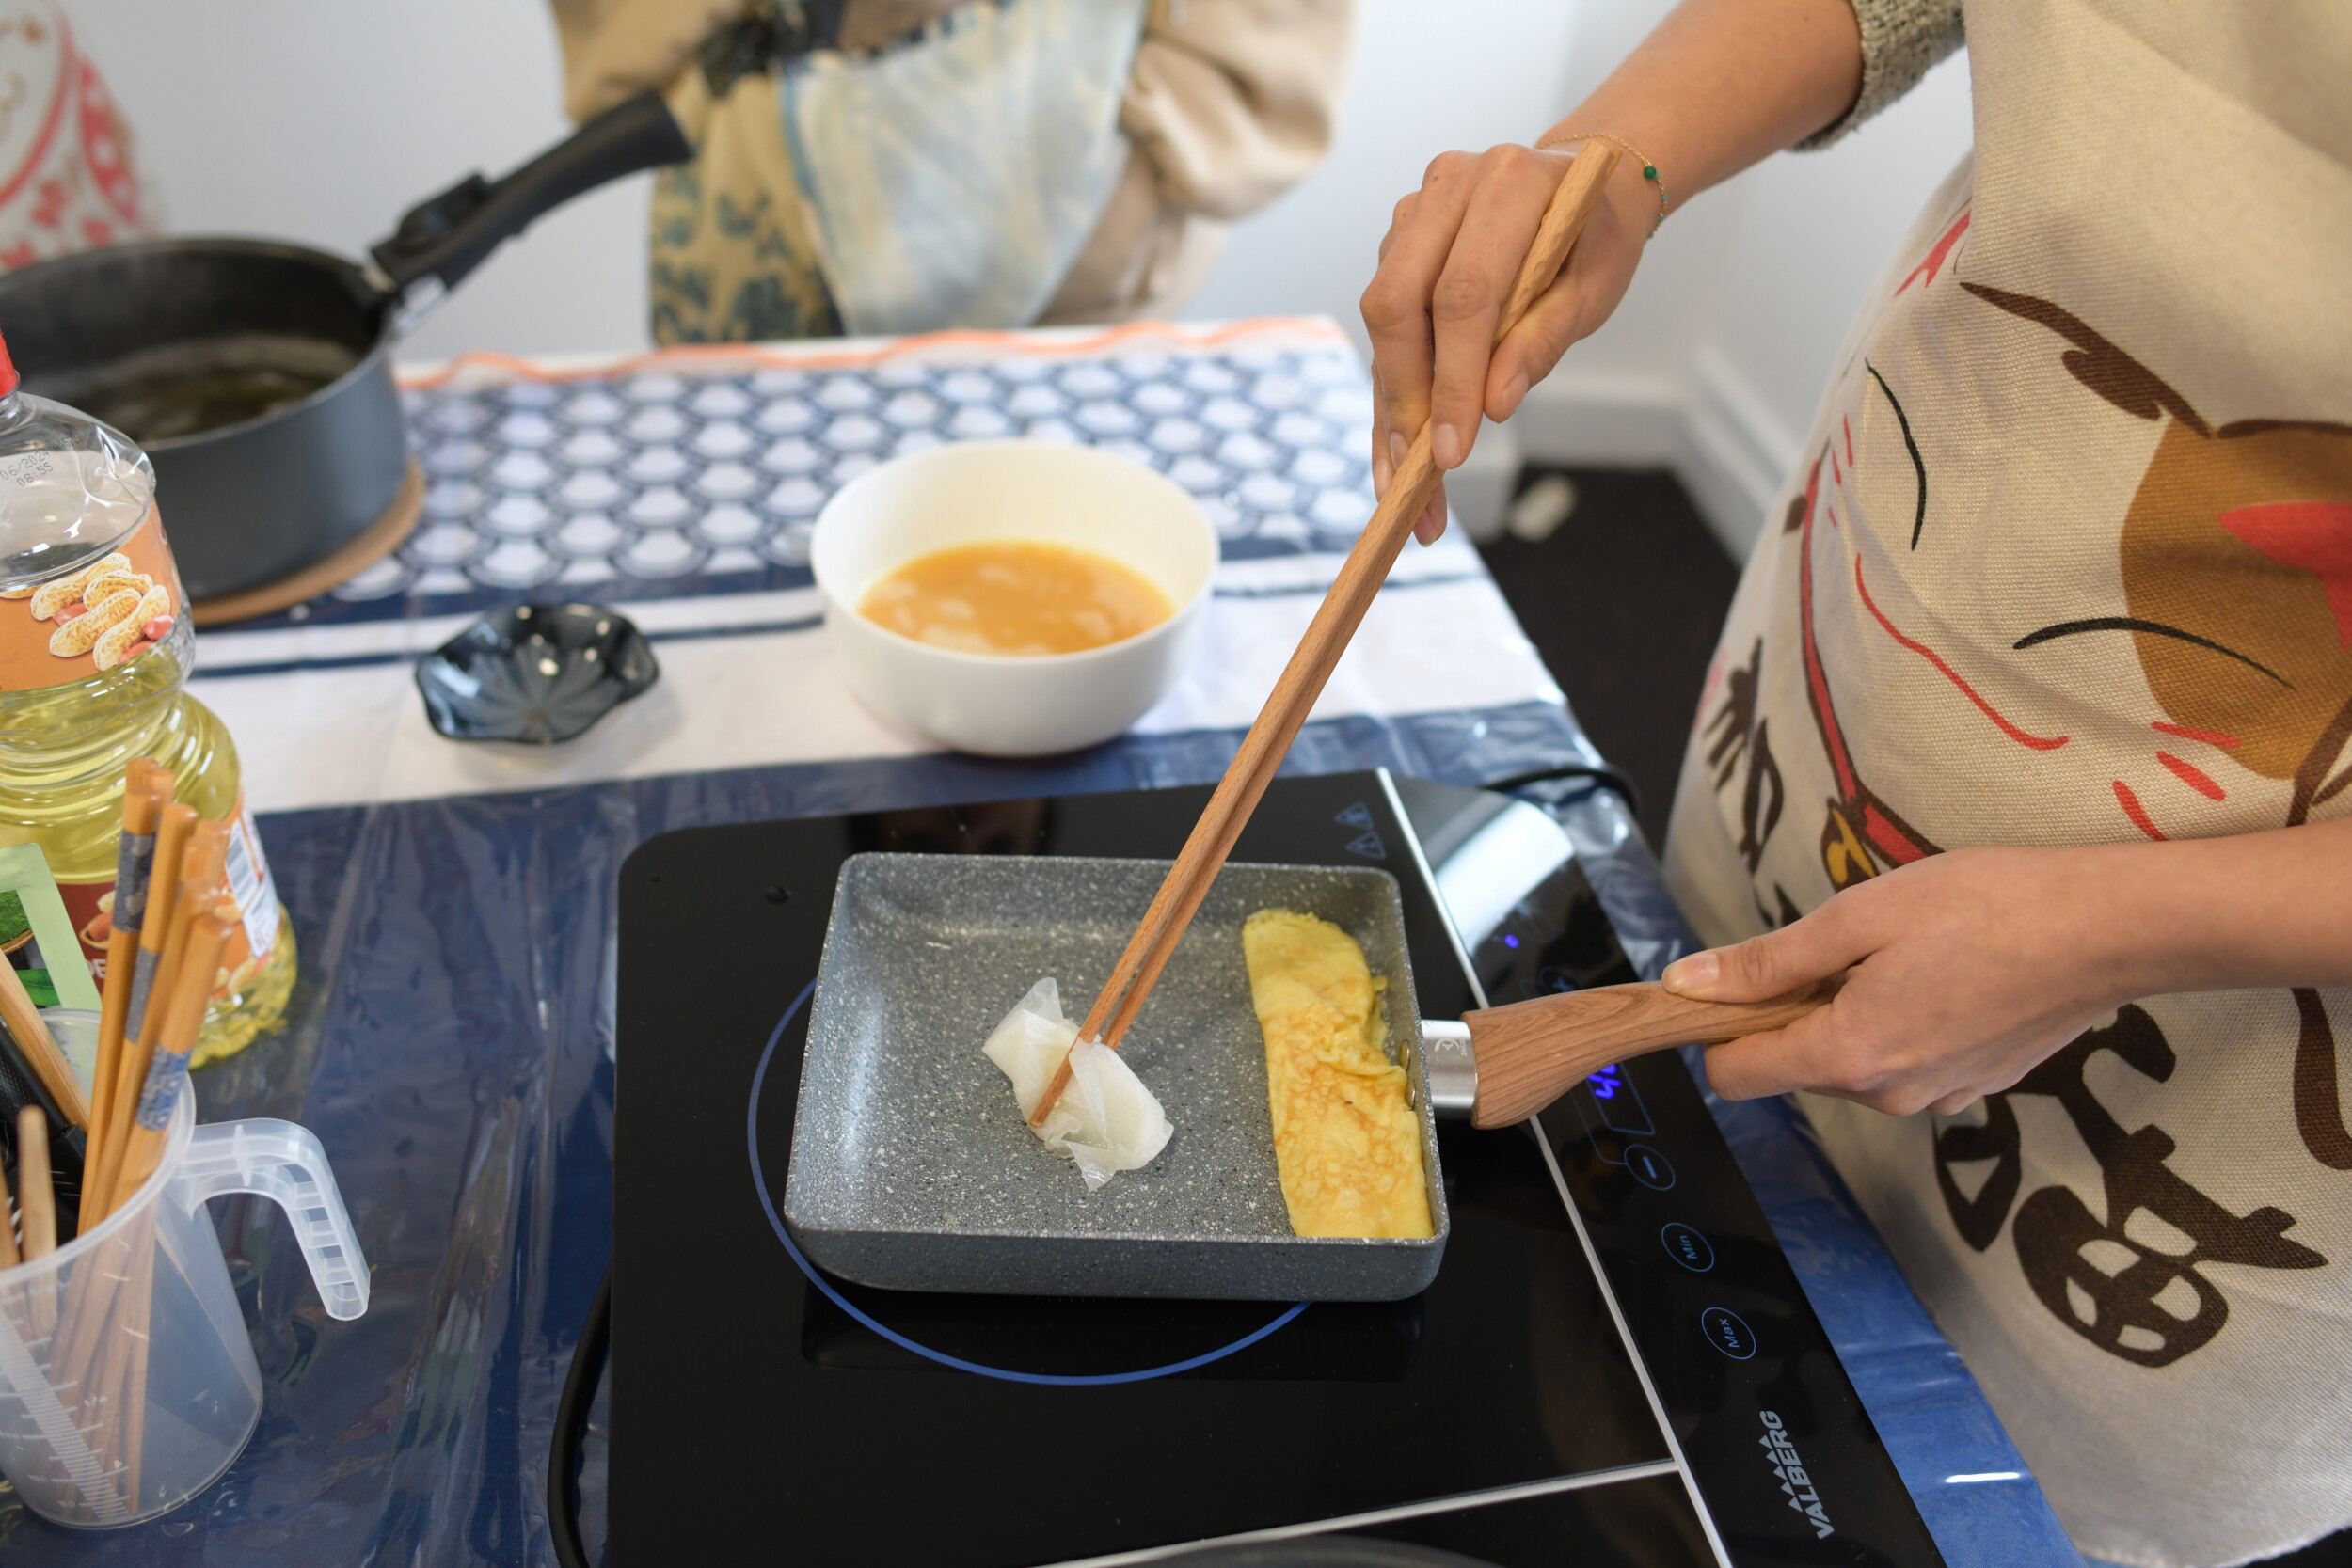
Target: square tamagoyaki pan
(912,1168)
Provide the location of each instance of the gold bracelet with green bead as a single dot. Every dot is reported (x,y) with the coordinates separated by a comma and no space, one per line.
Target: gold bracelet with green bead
(1649,170)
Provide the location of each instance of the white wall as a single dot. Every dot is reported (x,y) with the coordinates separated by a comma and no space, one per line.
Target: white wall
(1497,71)
(321,120)
(1716,357)
(1312,251)
(1803,237)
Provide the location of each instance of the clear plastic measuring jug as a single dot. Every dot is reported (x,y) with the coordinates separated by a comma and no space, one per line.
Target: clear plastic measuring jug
(127,1378)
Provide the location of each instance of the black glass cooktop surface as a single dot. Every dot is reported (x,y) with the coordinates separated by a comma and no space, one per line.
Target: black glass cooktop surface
(1615,1365)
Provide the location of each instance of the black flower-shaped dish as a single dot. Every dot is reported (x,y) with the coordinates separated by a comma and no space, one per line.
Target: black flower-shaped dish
(536,673)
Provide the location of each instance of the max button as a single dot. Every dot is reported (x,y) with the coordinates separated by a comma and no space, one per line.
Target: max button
(1727,1332)
(1649,1167)
(1687,1247)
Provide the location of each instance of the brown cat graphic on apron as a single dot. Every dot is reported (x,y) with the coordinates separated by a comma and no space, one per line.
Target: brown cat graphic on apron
(2069,560)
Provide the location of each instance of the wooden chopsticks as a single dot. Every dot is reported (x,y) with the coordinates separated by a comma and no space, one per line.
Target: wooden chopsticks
(36,1197)
(161,962)
(1302,680)
(170,923)
(167,1069)
(179,1000)
(134,860)
(39,1048)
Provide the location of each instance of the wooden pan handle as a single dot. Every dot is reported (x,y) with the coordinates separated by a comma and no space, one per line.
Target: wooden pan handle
(1530,1053)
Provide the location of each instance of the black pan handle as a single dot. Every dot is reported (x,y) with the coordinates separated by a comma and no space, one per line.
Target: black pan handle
(444,238)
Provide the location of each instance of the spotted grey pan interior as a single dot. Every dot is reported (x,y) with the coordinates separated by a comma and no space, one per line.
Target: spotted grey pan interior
(912,1168)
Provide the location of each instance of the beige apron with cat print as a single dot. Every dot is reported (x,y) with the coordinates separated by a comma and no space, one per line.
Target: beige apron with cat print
(2069,560)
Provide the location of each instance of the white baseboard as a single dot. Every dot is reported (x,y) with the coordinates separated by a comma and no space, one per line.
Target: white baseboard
(1709,427)
(1478,493)
(1601,421)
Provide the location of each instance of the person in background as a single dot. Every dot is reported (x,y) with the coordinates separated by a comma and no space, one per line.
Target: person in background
(903,166)
(2032,720)
(69,177)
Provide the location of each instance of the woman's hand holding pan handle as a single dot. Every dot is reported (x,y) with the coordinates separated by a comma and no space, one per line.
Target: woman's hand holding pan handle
(1963,971)
(1719,86)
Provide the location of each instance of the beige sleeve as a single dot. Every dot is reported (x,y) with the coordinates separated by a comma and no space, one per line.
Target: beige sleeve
(1231,103)
(1901,40)
(1144,259)
(615,48)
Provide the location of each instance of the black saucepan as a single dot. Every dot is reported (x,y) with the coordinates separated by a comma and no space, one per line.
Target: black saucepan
(258,374)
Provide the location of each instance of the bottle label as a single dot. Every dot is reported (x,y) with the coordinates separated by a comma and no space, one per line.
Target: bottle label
(256,895)
(245,881)
(88,621)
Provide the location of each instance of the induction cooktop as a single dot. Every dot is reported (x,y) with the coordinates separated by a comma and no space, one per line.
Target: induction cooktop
(1615,1365)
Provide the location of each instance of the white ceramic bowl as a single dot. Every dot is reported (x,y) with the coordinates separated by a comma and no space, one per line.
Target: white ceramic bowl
(1001,704)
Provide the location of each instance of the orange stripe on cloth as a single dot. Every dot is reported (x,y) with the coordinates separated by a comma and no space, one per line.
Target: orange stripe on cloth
(1023,343)
(2138,813)
(2211,737)
(2196,778)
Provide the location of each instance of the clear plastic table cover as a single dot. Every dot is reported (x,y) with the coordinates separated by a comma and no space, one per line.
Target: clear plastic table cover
(451,1044)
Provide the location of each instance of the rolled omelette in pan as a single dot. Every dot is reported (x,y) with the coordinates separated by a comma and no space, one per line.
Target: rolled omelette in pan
(1346,1134)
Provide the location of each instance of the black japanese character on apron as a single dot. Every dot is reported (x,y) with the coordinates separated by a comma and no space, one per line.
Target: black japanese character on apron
(2131,1285)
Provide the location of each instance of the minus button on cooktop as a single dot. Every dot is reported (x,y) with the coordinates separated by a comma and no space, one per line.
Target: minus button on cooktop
(1649,1167)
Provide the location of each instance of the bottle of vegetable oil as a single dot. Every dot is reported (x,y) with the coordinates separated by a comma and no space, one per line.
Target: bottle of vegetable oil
(95,650)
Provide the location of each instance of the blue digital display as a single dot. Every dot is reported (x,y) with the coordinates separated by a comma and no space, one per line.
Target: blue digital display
(1615,1104)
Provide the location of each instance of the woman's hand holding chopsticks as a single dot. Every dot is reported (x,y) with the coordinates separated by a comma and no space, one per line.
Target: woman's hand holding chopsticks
(1302,679)
(1720,84)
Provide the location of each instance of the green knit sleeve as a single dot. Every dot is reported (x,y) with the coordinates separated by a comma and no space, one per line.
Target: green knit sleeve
(1901,40)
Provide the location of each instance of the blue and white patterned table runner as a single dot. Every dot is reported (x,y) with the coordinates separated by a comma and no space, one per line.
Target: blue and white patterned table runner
(683,491)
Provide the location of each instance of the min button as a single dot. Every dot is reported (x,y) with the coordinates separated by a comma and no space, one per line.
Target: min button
(1687,1247)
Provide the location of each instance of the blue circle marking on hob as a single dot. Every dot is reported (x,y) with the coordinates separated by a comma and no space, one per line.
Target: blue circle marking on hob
(1087,1380)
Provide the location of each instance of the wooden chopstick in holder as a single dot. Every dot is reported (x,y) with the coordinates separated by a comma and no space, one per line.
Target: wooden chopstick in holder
(133,866)
(207,921)
(39,1048)
(1302,680)
(176,820)
(167,1073)
(203,922)
(35,1199)
(110,1304)
(192,892)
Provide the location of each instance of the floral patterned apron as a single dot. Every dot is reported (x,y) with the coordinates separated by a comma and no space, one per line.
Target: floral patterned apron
(68,179)
(2068,561)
